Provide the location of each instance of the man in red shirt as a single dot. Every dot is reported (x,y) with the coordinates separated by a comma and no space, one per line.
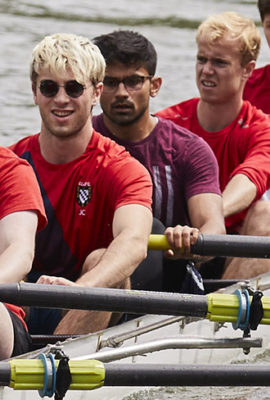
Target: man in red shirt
(97,197)
(238,133)
(257,88)
(21,214)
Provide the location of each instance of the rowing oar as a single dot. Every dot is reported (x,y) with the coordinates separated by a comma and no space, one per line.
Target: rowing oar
(214,306)
(221,245)
(29,374)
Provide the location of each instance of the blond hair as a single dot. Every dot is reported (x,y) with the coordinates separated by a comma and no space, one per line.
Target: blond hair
(238,28)
(62,51)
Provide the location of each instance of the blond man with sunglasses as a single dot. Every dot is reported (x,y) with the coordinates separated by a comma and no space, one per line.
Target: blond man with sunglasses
(97,197)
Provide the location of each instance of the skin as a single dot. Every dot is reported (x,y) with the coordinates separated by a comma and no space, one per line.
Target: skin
(127,116)
(220,79)
(255,222)
(65,133)
(16,256)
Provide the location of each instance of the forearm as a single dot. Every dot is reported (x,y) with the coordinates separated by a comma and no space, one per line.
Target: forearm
(131,228)
(17,244)
(238,195)
(15,263)
(117,263)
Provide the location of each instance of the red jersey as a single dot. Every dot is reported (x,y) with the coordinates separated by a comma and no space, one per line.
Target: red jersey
(243,147)
(257,89)
(19,192)
(80,199)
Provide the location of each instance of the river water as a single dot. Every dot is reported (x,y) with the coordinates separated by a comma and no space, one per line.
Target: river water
(169,24)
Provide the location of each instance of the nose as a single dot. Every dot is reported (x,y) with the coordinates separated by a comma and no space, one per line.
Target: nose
(61,96)
(207,67)
(121,90)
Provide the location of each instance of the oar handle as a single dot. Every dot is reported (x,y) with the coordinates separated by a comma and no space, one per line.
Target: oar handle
(221,245)
(158,242)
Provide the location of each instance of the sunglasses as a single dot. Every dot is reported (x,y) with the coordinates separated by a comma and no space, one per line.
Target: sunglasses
(50,88)
(131,83)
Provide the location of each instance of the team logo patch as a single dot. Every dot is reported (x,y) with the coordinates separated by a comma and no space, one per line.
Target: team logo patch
(83,194)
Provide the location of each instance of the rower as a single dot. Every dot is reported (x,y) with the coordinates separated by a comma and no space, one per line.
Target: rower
(186,194)
(239,134)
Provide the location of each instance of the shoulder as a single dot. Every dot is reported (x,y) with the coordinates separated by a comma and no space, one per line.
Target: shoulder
(177,132)
(254,116)
(259,74)
(9,160)
(179,110)
(108,147)
(24,144)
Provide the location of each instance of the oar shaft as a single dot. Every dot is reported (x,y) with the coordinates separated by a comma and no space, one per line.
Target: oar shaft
(28,374)
(130,301)
(216,307)
(4,373)
(221,245)
(186,375)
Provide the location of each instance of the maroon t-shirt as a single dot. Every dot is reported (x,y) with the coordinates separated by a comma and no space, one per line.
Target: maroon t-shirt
(180,163)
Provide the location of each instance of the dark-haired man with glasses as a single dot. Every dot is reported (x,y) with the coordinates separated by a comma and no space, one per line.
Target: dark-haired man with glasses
(186,194)
(97,197)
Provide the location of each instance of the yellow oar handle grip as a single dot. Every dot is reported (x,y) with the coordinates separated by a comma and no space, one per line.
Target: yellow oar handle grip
(158,242)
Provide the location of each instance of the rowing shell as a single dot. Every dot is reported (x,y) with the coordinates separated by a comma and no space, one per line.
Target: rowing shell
(158,339)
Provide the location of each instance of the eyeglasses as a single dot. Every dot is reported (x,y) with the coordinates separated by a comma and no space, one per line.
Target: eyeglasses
(50,88)
(131,83)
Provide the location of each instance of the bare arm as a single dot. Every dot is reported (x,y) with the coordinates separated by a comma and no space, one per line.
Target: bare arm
(17,243)
(238,194)
(206,216)
(131,228)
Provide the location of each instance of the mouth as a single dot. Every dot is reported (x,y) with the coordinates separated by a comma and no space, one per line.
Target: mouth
(122,107)
(206,83)
(62,114)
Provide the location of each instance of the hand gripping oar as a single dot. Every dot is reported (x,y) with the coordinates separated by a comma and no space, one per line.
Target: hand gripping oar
(214,306)
(221,245)
(34,374)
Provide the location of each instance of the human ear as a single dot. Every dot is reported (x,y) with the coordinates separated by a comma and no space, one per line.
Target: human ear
(97,93)
(248,69)
(34,91)
(156,82)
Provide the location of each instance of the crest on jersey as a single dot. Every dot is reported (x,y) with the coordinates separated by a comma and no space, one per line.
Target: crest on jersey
(83,193)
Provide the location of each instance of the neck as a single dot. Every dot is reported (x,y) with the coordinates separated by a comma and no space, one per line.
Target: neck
(134,132)
(215,117)
(61,150)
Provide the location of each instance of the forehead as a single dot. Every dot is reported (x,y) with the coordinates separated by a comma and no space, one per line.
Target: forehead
(225,47)
(120,70)
(60,77)
(266,19)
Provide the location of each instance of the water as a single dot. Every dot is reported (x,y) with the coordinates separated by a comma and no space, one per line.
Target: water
(169,24)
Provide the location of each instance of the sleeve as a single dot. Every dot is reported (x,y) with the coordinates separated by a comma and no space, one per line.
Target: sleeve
(201,169)
(130,182)
(19,189)
(256,164)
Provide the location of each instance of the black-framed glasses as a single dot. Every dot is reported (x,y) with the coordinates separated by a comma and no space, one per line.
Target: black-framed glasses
(131,83)
(50,88)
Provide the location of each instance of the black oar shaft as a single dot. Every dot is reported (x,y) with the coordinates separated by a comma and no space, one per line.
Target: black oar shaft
(150,375)
(232,246)
(186,375)
(130,301)
(4,373)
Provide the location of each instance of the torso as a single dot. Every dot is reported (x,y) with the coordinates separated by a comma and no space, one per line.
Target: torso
(80,198)
(181,165)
